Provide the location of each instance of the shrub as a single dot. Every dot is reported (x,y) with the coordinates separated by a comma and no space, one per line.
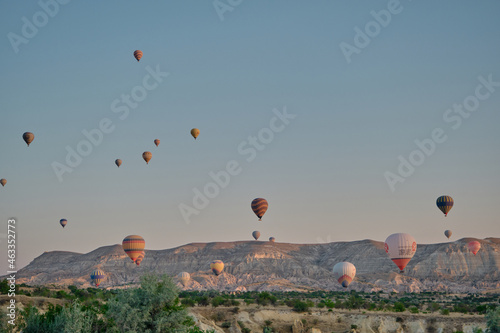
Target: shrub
(226,324)
(399,307)
(300,306)
(445,312)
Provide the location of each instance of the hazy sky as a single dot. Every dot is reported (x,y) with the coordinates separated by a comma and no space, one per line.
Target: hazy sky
(360,92)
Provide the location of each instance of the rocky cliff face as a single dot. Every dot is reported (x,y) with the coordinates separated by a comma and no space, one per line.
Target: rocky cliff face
(254,265)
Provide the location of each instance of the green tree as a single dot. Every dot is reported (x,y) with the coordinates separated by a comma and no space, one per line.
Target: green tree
(493,320)
(154,307)
(399,307)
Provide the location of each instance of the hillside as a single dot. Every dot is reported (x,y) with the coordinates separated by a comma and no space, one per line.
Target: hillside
(257,265)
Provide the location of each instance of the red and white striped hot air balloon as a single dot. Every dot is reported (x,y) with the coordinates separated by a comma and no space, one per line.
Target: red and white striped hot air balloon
(400,248)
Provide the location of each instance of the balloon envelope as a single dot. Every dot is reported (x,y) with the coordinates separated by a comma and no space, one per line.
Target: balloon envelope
(133,245)
(28,137)
(256,234)
(400,247)
(184,277)
(157,142)
(272,239)
(447,233)
(344,272)
(147,156)
(97,277)
(140,258)
(195,132)
(217,266)
(118,162)
(474,246)
(138,54)
(444,204)
(3,181)
(63,222)
(259,207)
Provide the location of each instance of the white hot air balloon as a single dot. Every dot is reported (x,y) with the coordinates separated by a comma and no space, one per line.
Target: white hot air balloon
(400,248)
(344,272)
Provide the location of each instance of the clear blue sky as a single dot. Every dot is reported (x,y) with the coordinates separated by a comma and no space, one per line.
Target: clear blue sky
(323,174)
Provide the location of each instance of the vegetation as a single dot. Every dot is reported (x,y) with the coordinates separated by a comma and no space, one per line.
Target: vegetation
(157,305)
(153,307)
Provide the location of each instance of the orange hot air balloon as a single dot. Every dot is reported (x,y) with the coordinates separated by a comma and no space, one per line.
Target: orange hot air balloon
(272,239)
(157,142)
(118,162)
(147,156)
(217,266)
(63,222)
(259,207)
(133,245)
(400,248)
(138,54)
(3,181)
(140,258)
(28,137)
(195,132)
(474,246)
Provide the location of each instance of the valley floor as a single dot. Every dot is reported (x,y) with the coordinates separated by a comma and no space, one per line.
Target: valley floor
(252,318)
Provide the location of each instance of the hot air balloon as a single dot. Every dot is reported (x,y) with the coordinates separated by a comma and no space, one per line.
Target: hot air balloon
(157,142)
(400,248)
(272,239)
(140,258)
(63,222)
(474,246)
(118,162)
(195,132)
(133,245)
(444,204)
(447,233)
(147,156)
(184,277)
(259,207)
(138,54)
(217,266)
(256,234)
(28,138)
(344,272)
(3,181)
(97,276)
